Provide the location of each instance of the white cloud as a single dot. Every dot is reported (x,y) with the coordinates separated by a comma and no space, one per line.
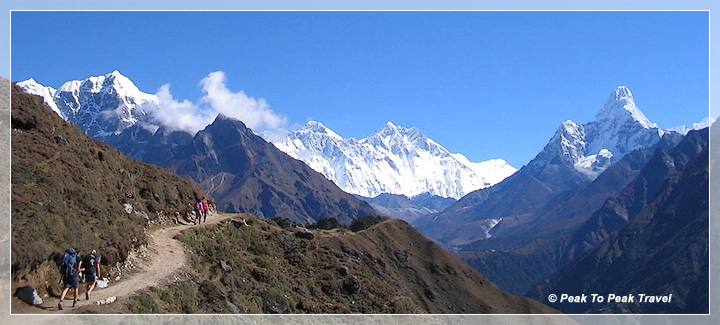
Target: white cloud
(191,117)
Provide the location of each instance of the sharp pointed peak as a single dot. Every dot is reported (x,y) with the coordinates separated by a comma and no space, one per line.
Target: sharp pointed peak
(391,127)
(33,84)
(621,106)
(29,81)
(622,91)
(222,116)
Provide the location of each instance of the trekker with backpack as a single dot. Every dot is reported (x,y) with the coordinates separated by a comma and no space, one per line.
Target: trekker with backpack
(91,263)
(69,270)
(205,209)
(198,212)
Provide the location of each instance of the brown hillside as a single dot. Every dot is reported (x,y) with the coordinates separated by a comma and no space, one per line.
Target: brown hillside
(69,191)
(261,268)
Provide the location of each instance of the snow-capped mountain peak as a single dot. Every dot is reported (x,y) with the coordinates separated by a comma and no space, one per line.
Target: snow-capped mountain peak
(394,159)
(619,128)
(99,105)
(31,86)
(112,82)
(314,127)
(392,134)
(621,107)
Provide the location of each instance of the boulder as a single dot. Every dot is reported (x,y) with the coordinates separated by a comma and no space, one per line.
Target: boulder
(227,268)
(304,233)
(351,285)
(102,283)
(29,295)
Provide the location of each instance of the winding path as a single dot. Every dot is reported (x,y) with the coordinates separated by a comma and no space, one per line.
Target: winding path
(166,257)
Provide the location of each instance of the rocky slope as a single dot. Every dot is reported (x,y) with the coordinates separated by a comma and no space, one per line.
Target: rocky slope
(72,191)
(570,227)
(662,250)
(247,174)
(251,266)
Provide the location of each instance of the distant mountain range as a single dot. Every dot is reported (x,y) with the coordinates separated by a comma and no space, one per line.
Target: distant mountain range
(525,228)
(243,172)
(69,190)
(592,191)
(393,160)
(408,209)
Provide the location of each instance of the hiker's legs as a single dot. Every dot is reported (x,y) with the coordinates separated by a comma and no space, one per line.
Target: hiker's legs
(62,297)
(75,295)
(64,292)
(89,289)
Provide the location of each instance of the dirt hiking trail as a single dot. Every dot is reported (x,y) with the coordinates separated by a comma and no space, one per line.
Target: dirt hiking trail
(166,256)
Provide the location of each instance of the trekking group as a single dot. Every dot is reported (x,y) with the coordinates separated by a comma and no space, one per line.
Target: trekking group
(201,210)
(71,267)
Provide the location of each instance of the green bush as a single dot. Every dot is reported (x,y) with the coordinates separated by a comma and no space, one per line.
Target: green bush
(326,224)
(363,223)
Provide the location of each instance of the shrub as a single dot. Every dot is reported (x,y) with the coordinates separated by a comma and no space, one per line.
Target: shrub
(285,223)
(326,224)
(363,223)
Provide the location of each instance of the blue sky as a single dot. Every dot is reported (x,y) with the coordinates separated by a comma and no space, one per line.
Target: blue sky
(485,84)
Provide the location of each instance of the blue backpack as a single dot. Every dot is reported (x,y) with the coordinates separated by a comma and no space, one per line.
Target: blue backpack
(68,265)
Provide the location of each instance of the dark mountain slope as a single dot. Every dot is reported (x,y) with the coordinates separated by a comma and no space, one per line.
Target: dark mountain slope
(247,174)
(72,191)
(566,228)
(620,208)
(388,268)
(663,250)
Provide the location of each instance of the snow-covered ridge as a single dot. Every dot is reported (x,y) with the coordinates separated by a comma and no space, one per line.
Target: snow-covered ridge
(395,160)
(31,86)
(619,128)
(100,105)
(706,122)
